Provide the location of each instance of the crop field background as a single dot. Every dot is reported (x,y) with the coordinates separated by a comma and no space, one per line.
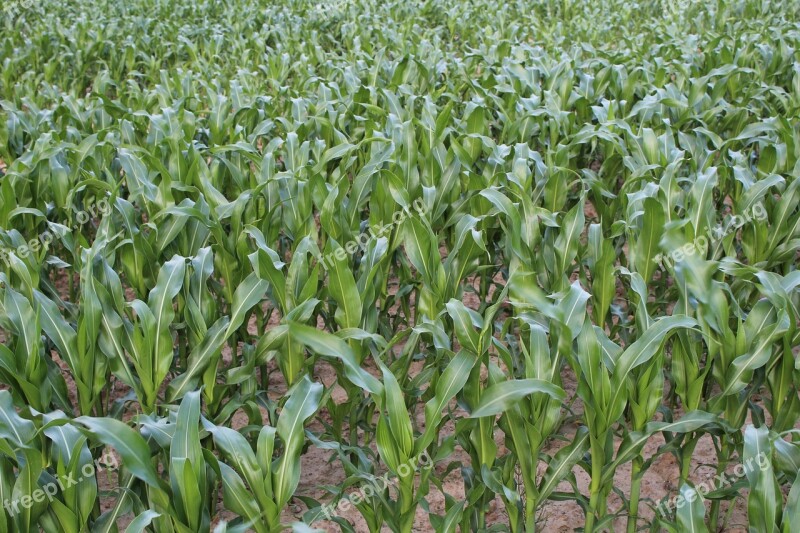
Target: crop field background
(388,265)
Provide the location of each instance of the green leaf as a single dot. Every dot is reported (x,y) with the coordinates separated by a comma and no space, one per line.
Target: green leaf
(332,346)
(502,396)
(249,293)
(199,359)
(342,286)
(303,402)
(639,353)
(160,302)
(562,463)
(128,443)
(448,385)
(142,520)
(765,497)
(137,177)
(691,512)
(464,327)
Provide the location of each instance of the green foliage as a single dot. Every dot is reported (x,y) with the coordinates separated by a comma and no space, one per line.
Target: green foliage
(518,240)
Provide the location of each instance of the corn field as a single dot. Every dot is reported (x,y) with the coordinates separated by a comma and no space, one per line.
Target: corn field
(406,266)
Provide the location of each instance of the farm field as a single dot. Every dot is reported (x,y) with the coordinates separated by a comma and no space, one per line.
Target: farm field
(402,266)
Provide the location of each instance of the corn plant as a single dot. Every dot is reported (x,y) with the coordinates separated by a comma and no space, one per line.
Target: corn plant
(534,244)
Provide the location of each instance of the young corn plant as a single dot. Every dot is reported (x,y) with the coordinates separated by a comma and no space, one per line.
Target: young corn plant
(271,480)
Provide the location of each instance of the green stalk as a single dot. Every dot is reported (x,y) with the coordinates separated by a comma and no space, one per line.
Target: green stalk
(182,350)
(407,503)
(264,377)
(530,514)
(686,458)
(633,505)
(529,479)
(71,287)
(713,518)
(595,500)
